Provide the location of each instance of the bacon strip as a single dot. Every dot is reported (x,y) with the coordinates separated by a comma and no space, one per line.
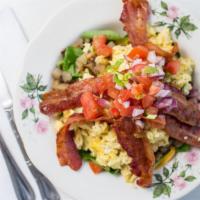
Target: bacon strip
(138,149)
(66,149)
(134,16)
(182,132)
(161,52)
(60,100)
(186,111)
(67,152)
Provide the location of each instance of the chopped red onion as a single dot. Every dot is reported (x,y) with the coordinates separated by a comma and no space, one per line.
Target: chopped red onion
(127,58)
(126,104)
(173,105)
(139,123)
(160,61)
(128,86)
(163,93)
(164,103)
(104,103)
(152,58)
(158,84)
(136,112)
(136,62)
(118,87)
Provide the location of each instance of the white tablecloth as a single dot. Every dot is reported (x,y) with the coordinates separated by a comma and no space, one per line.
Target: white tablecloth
(32,14)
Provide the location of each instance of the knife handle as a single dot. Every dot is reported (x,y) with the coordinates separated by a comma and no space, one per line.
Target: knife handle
(21,186)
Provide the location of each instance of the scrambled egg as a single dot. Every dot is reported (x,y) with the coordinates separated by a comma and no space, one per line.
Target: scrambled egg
(118,54)
(157,138)
(163,38)
(182,80)
(101,140)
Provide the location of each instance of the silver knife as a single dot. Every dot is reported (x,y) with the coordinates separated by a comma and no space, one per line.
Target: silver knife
(47,190)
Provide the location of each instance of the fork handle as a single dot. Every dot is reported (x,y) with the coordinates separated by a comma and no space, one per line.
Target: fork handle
(47,189)
(21,186)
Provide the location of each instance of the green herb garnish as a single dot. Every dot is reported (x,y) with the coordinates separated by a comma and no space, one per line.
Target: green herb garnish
(68,63)
(114,68)
(150,70)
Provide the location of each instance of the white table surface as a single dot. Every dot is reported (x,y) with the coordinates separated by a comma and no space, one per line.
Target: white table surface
(33,14)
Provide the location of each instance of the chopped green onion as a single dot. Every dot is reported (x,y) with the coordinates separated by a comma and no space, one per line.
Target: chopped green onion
(111,35)
(114,68)
(118,81)
(127,76)
(150,70)
(122,79)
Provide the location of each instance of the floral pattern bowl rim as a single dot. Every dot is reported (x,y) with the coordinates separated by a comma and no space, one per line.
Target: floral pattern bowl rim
(177,179)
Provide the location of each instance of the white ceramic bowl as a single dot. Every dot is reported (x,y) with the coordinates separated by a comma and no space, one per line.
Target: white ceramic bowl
(39,137)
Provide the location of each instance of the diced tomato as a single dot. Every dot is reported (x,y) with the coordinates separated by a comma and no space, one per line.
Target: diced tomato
(113,93)
(139,51)
(152,110)
(114,112)
(153,90)
(124,95)
(137,91)
(100,46)
(172,67)
(95,168)
(91,108)
(123,111)
(159,122)
(147,101)
(137,69)
(146,81)
(104,83)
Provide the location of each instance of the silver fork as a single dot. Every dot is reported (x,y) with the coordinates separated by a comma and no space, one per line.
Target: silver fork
(47,190)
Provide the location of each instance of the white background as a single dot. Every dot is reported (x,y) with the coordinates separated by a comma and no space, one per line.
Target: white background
(33,14)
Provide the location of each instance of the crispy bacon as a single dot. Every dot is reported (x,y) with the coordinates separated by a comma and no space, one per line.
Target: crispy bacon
(134,16)
(66,149)
(183,132)
(186,111)
(138,149)
(60,100)
(161,52)
(79,118)
(67,152)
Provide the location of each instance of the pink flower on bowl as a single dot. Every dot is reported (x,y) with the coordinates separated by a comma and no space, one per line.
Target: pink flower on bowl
(192,157)
(27,103)
(172,12)
(41,126)
(179,182)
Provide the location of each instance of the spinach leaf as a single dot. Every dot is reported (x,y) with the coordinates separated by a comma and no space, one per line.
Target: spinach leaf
(115,172)
(86,155)
(183,148)
(69,61)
